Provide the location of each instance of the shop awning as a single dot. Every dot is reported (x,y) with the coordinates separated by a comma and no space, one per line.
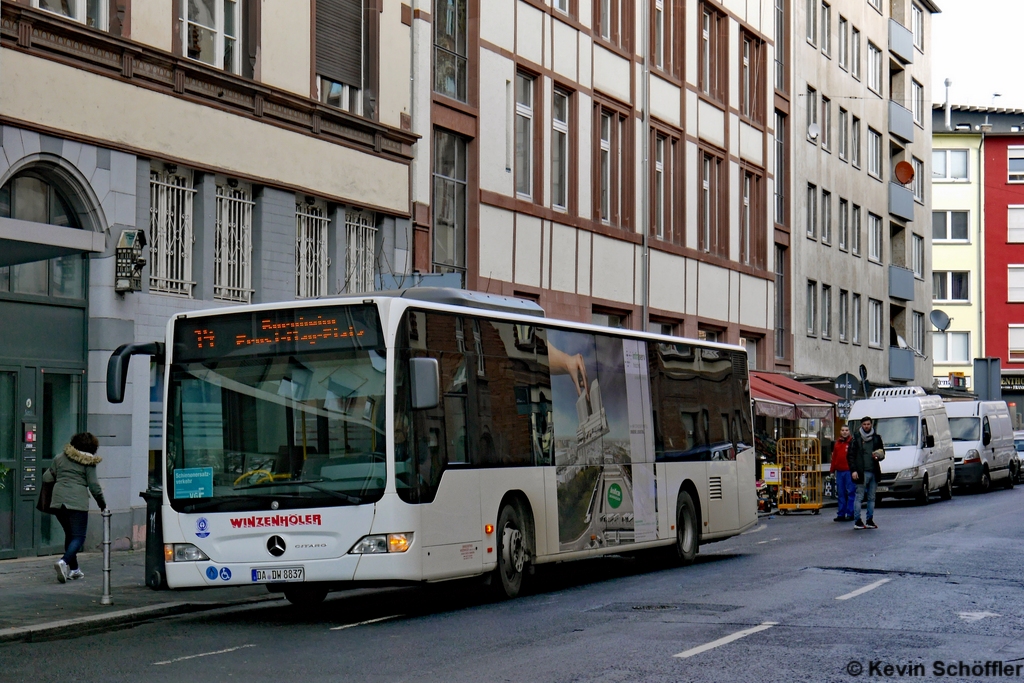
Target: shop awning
(772,399)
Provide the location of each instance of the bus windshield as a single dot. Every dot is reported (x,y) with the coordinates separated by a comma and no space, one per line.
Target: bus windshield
(897,431)
(266,430)
(965,428)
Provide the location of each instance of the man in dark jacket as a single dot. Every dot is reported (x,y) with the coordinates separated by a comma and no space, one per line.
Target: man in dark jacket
(865,449)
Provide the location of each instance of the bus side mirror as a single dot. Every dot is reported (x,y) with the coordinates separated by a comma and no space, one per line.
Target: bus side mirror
(425,383)
(117,366)
(930,441)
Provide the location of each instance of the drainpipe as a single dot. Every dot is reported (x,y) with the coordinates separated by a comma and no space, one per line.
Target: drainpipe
(645,145)
(949,125)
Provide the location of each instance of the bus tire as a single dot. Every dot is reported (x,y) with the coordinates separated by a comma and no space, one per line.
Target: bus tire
(305,596)
(512,553)
(687,531)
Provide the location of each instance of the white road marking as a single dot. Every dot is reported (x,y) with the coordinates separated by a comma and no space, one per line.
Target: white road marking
(726,639)
(761,527)
(203,654)
(864,589)
(368,621)
(976,616)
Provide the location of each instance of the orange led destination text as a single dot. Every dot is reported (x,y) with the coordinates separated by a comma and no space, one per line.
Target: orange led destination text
(277,333)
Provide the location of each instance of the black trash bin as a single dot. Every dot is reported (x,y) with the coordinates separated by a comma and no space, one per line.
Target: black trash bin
(156,575)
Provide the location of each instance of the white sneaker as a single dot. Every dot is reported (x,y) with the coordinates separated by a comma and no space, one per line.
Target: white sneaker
(61,567)
(76,574)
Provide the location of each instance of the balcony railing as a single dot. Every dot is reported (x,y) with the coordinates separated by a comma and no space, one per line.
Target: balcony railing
(901,121)
(901,283)
(901,364)
(901,202)
(901,42)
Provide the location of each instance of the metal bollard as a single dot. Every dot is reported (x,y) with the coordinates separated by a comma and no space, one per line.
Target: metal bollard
(106,599)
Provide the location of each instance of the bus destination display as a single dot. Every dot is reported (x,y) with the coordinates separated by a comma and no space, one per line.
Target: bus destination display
(273,332)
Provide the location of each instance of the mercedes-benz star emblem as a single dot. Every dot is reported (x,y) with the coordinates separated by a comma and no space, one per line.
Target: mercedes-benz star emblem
(275,546)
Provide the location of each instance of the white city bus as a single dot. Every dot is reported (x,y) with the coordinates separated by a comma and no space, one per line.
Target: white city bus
(435,434)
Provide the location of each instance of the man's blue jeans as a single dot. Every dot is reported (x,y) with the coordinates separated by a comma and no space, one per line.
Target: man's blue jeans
(868,484)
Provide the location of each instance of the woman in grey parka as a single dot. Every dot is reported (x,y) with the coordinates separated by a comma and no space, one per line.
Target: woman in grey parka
(74,474)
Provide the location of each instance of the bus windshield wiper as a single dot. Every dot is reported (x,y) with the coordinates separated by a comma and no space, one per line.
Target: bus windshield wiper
(311,483)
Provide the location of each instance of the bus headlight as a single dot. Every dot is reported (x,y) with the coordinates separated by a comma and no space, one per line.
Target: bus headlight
(383,543)
(183,552)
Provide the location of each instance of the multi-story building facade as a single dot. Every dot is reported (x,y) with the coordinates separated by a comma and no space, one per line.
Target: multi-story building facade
(261,146)
(610,159)
(862,287)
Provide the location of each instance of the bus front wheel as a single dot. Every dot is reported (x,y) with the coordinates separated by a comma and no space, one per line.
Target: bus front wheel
(686,529)
(512,552)
(305,596)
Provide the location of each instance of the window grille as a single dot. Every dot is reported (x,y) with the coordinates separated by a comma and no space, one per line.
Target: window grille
(360,251)
(232,278)
(170,227)
(310,250)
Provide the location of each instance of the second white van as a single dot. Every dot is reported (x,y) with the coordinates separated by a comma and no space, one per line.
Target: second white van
(918,448)
(982,443)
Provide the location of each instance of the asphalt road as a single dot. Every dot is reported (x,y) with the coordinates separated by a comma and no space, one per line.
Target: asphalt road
(798,598)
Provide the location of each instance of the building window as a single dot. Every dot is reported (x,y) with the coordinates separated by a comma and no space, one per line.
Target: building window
(826,123)
(614,168)
(855,142)
(780,46)
(917,26)
(92,13)
(855,231)
(844,224)
(311,224)
(874,323)
(450,203)
(658,327)
(951,164)
(713,227)
(855,322)
(826,217)
(451,48)
(745,209)
(779,182)
(874,237)
(844,315)
(750,344)
(812,211)
(232,254)
(812,308)
(812,112)
(917,186)
(666,200)
(950,286)
(855,52)
(751,75)
(844,134)
(950,226)
(1015,343)
(560,149)
(917,331)
(780,301)
(751,225)
(917,102)
(826,29)
(1014,164)
(917,255)
(343,49)
(666,36)
(713,57)
(874,153)
(954,347)
(826,312)
(659,186)
(877,4)
(210,32)
(613,22)
(844,42)
(1015,283)
(709,335)
(524,135)
(360,251)
(812,22)
(336,94)
(171,198)
(616,320)
(1015,224)
(562,6)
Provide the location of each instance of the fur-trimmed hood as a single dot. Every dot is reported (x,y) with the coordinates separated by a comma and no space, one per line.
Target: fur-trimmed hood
(81,458)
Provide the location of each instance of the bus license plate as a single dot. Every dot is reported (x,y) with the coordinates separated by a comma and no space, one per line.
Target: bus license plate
(278,575)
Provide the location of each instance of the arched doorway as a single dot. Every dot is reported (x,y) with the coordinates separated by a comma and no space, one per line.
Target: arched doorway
(43,351)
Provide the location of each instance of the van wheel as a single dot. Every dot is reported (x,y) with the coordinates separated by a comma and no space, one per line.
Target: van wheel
(686,530)
(922,498)
(946,492)
(985,485)
(1010,480)
(512,553)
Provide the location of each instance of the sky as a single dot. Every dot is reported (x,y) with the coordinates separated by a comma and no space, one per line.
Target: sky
(976,44)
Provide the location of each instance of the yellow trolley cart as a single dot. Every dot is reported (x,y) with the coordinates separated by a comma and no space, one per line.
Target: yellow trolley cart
(800,460)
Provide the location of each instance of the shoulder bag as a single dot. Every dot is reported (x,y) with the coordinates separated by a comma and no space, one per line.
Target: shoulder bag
(45,496)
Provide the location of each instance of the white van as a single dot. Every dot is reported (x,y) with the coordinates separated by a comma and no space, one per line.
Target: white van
(982,443)
(918,447)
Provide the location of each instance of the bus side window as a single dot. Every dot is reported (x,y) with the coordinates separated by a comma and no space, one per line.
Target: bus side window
(674,401)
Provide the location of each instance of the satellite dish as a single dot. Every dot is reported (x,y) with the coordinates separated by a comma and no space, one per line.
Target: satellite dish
(939,319)
(904,173)
(863,372)
(813,130)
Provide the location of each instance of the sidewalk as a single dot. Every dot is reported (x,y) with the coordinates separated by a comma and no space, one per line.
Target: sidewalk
(37,607)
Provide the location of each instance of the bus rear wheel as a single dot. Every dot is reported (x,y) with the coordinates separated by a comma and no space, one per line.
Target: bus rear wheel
(512,553)
(686,530)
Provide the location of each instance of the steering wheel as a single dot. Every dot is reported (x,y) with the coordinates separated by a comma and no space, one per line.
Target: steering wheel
(259,476)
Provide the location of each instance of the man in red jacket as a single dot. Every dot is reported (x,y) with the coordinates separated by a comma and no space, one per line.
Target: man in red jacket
(845,489)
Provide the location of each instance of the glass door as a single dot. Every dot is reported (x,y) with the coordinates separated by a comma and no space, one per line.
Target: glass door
(8,458)
(62,418)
